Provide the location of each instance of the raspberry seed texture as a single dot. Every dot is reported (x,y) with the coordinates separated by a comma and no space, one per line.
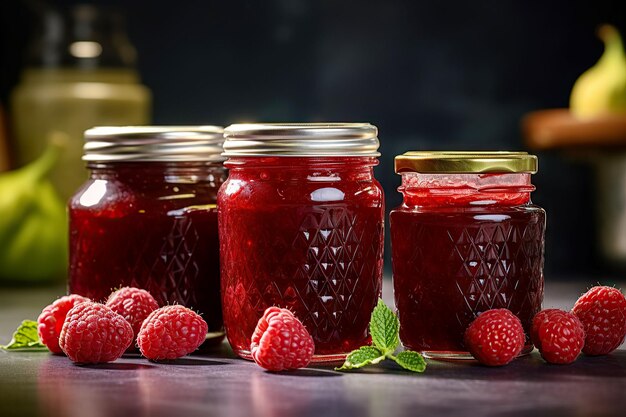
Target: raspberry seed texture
(602,311)
(50,321)
(281,342)
(93,333)
(495,338)
(133,304)
(171,332)
(538,320)
(558,335)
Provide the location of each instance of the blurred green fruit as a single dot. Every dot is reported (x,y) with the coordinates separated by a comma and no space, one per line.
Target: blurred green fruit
(33,222)
(602,88)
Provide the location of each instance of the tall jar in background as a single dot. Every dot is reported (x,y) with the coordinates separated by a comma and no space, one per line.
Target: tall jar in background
(467,238)
(147,217)
(80,72)
(301,227)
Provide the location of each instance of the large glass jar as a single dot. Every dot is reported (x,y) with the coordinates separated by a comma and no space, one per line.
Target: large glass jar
(301,226)
(147,217)
(466,239)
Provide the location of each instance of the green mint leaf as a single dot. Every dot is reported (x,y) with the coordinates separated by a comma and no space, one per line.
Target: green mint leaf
(384,327)
(25,337)
(364,355)
(410,360)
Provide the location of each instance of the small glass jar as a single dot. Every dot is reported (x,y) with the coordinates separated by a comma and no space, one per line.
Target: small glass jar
(147,217)
(301,227)
(466,239)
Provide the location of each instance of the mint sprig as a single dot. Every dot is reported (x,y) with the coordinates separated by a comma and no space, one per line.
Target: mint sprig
(410,360)
(385,329)
(25,338)
(364,355)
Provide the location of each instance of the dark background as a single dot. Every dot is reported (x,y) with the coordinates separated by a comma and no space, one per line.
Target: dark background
(430,74)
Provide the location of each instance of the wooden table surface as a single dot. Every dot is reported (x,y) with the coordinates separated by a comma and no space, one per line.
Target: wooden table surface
(220,384)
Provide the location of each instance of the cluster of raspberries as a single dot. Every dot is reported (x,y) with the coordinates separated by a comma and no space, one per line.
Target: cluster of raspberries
(89,332)
(596,325)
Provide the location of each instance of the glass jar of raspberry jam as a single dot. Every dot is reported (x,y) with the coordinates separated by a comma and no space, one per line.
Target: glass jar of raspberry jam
(301,227)
(147,217)
(466,239)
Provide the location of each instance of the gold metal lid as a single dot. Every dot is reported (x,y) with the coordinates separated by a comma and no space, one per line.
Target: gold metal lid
(462,162)
(154,143)
(301,139)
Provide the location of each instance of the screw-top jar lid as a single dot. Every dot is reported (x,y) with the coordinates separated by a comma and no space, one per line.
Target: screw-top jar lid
(154,143)
(459,162)
(301,139)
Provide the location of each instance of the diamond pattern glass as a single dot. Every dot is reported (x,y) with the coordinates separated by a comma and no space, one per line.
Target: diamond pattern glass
(152,231)
(322,260)
(449,266)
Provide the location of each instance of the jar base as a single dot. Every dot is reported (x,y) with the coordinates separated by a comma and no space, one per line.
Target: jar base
(331,358)
(450,355)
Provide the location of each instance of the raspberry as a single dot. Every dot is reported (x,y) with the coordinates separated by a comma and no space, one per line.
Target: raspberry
(133,304)
(538,320)
(171,332)
(280,341)
(93,333)
(602,311)
(495,338)
(50,321)
(558,335)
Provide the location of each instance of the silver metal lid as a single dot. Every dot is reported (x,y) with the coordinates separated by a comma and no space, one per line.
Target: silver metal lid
(154,143)
(301,139)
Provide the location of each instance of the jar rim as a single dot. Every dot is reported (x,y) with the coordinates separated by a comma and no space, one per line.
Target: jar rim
(154,143)
(460,162)
(301,139)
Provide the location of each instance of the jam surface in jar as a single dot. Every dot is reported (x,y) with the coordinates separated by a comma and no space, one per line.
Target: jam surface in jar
(151,225)
(304,234)
(463,244)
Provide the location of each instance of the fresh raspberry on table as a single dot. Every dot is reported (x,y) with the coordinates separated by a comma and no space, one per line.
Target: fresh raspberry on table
(602,311)
(134,304)
(495,338)
(171,332)
(93,333)
(558,335)
(280,341)
(50,321)
(538,320)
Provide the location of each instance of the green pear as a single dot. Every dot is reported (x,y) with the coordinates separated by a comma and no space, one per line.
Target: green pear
(601,89)
(33,221)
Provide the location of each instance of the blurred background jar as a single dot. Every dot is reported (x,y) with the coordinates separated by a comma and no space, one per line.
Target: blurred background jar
(79,72)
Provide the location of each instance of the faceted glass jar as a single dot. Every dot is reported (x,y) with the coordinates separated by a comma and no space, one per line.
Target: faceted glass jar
(462,244)
(151,225)
(303,233)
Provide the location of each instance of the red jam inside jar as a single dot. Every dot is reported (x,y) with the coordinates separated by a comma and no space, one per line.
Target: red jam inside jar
(303,233)
(463,243)
(151,223)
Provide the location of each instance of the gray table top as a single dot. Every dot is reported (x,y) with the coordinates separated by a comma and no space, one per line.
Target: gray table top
(220,384)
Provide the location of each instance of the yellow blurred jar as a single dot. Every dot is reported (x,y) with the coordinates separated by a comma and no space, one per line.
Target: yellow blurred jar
(80,73)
